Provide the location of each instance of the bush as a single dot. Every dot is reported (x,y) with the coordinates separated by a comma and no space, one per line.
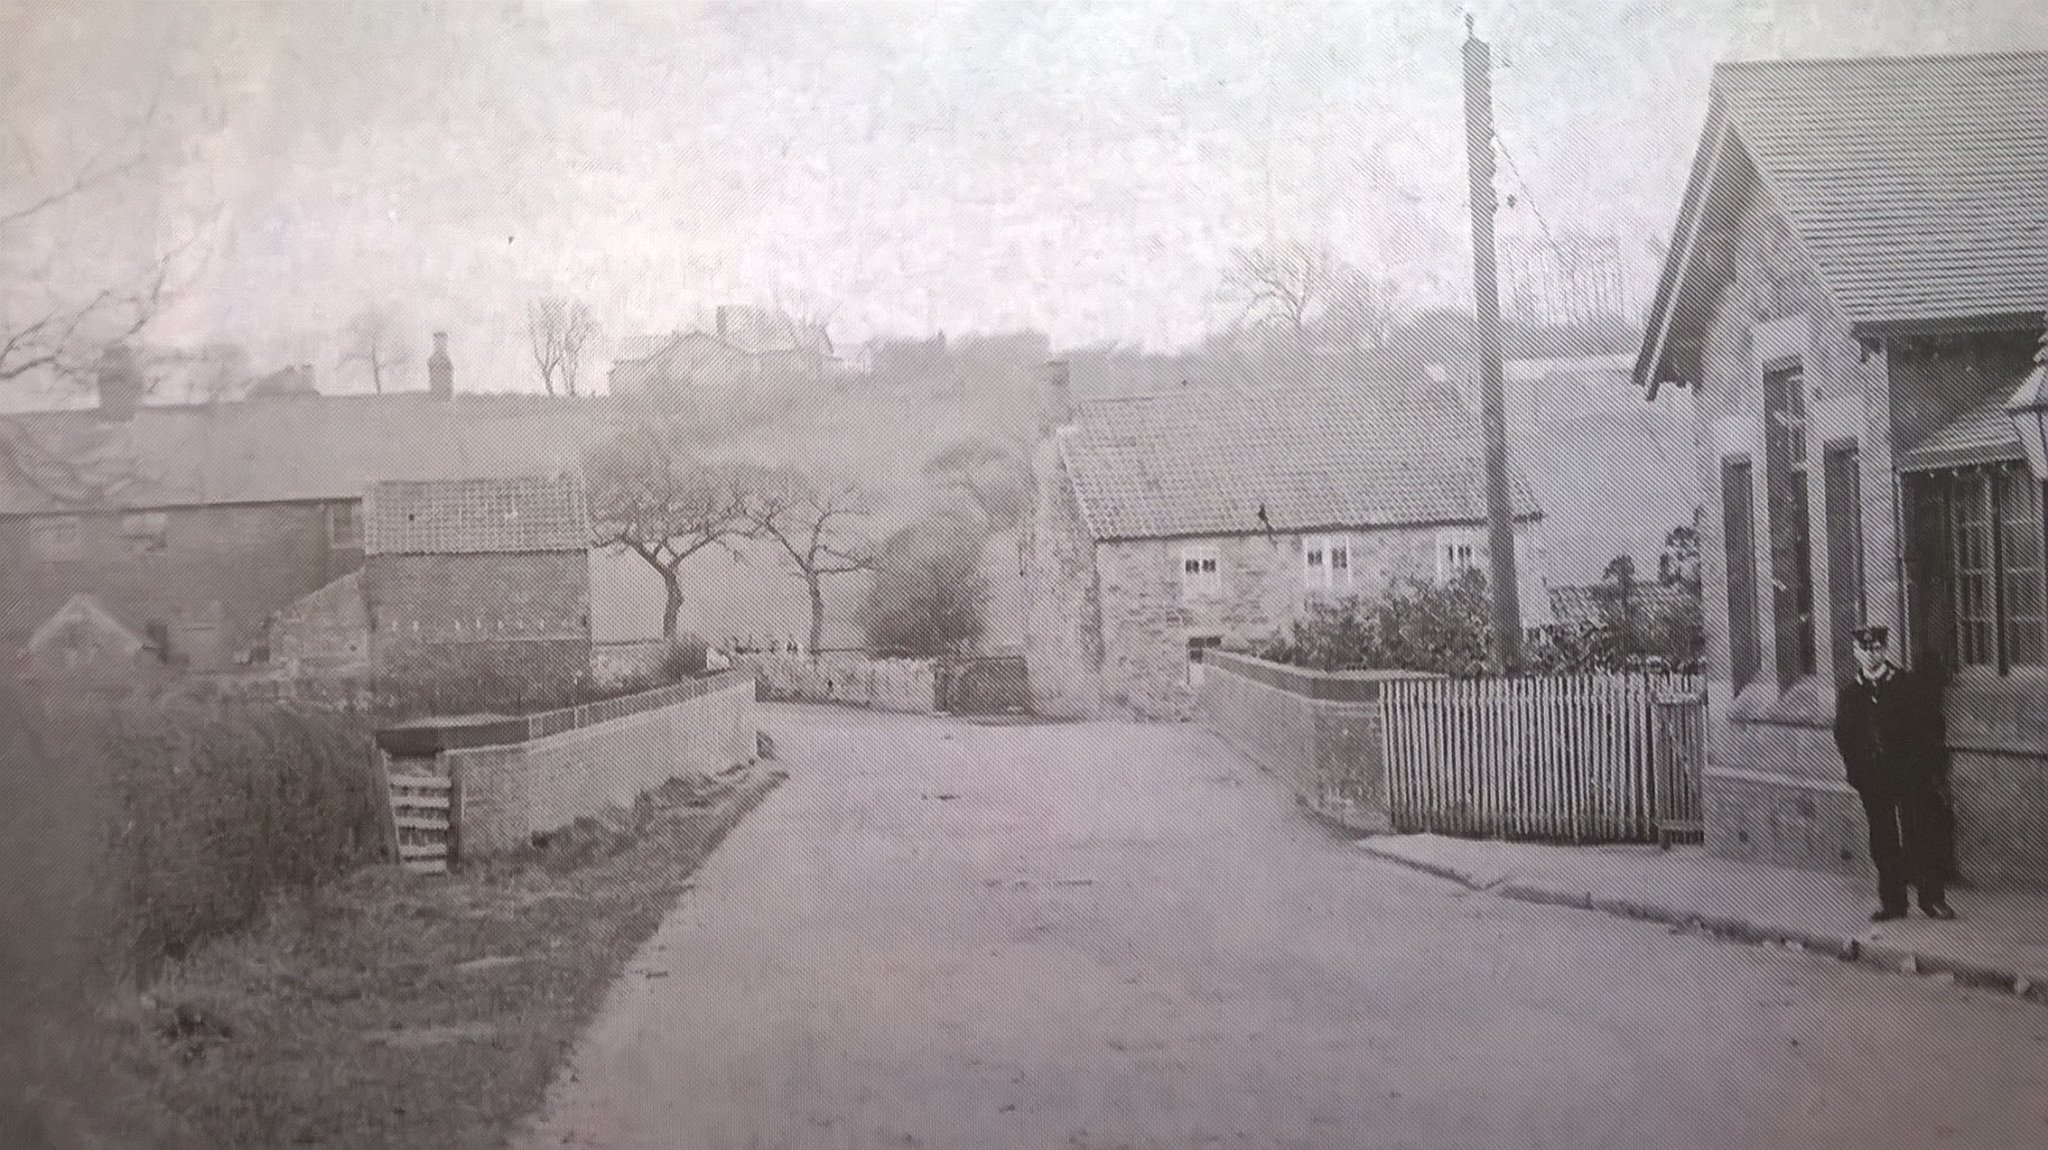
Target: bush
(928,595)
(1444,629)
(224,808)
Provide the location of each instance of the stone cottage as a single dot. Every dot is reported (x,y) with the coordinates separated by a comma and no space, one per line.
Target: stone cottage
(1211,516)
(1855,288)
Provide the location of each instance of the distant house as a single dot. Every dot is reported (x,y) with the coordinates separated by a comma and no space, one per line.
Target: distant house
(1856,286)
(744,343)
(479,580)
(202,521)
(1206,516)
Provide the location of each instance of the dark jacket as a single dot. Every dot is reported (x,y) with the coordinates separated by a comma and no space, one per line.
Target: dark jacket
(1892,734)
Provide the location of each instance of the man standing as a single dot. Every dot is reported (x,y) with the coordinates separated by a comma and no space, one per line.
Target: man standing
(1891,732)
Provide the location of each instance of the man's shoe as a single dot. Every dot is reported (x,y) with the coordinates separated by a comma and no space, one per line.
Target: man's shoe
(1940,910)
(1886,914)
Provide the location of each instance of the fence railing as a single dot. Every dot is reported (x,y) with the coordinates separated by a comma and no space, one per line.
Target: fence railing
(1568,758)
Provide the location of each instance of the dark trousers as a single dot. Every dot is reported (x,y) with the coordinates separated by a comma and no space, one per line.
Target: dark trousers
(1910,833)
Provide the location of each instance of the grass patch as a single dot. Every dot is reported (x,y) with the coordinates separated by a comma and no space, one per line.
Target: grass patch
(402,1010)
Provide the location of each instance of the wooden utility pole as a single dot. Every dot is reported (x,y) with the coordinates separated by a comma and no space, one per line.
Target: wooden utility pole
(1507,612)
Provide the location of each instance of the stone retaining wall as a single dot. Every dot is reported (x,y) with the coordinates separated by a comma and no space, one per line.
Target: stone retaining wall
(907,685)
(1318,731)
(522,776)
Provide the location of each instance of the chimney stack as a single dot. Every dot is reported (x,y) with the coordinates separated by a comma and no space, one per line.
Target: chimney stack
(120,384)
(440,371)
(1056,396)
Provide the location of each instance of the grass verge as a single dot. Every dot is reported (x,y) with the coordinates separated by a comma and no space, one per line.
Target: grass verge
(395,1009)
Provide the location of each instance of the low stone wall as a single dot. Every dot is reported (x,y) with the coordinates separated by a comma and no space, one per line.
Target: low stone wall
(1318,731)
(522,776)
(908,685)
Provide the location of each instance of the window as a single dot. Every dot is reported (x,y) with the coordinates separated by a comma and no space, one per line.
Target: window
(344,527)
(1199,574)
(1326,562)
(1982,580)
(1456,553)
(145,531)
(1738,536)
(1791,543)
(55,537)
(1843,479)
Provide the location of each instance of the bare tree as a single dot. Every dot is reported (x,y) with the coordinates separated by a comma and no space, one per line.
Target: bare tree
(1309,298)
(817,528)
(375,339)
(557,329)
(651,499)
(56,336)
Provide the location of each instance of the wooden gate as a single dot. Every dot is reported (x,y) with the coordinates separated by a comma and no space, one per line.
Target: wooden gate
(1569,758)
(1680,750)
(990,685)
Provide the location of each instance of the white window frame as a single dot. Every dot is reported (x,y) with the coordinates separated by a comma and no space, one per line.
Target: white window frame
(1449,543)
(1319,562)
(1201,571)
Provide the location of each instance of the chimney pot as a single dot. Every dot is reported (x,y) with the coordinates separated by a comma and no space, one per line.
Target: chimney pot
(120,384)
(440,370)
(1056,407)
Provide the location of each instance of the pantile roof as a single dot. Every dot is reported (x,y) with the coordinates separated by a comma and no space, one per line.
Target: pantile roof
(476,516)
(1316,454)
(1918,185)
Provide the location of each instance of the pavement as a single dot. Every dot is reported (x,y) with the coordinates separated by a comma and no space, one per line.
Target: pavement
(1096,935)
(1999,942)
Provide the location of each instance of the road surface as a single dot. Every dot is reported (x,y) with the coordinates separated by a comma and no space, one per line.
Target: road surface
(941,934)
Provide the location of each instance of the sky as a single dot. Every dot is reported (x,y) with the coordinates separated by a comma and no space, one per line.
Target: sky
(1084,169)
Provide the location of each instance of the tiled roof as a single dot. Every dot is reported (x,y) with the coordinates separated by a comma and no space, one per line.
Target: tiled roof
(1202,460)
(476,516)
(1918,184)
(295,448)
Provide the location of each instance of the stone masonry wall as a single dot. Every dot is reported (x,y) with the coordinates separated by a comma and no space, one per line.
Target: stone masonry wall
(1318,732)
(1147,621)
(250,559)
(905,685)
(1063,612)
(510,792)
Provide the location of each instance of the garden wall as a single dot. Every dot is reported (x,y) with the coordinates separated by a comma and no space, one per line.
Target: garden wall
(909,685)
(519,777)
(1318,731)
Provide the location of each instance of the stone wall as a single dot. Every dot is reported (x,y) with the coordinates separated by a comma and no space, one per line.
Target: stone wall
(1063,597)
(905,685)
(328,630)
(511,790)
(245,561)
(1319,732)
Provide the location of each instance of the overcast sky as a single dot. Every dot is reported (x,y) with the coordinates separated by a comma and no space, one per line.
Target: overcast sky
(1084,169)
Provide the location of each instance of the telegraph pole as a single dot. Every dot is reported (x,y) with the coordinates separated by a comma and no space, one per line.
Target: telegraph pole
(1507,613)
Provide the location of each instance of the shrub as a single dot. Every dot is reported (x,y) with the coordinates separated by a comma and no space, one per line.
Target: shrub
(928,595)
(1440,628)
(221,809)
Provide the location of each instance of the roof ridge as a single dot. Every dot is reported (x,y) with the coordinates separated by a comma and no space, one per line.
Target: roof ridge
(1797,62)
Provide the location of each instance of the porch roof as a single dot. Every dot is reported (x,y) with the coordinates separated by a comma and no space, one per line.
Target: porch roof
(1982,434)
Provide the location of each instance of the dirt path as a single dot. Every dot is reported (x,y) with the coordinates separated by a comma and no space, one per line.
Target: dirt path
(944,935)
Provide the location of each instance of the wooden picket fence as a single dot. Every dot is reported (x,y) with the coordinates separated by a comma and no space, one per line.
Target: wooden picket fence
(1571,759)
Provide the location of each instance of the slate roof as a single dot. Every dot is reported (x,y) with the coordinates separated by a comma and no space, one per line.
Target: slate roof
(1318,455)
(476,516)
(1918,185)
(293,448)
